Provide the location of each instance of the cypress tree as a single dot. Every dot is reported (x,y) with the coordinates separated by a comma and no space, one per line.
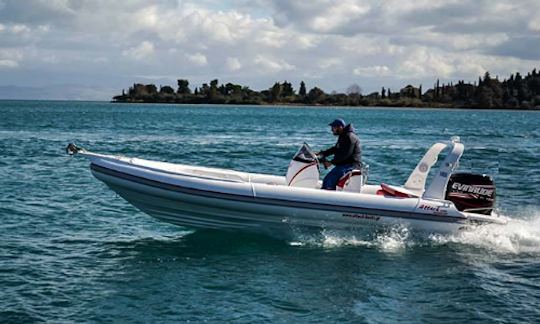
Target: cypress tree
(302,91)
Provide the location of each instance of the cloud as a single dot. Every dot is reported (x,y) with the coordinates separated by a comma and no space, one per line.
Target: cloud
(20,29)
(233,64)
(197,59)
(10,58)
(35,11)
(327,43)
(377,70)
(534,25)
(270,65)
(8,63)
(141,51)
(526,48)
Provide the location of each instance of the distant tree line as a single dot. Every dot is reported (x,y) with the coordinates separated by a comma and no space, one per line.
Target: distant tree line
(518,92)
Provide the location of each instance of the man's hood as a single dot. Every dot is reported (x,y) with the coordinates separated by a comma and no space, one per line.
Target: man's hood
(348,129)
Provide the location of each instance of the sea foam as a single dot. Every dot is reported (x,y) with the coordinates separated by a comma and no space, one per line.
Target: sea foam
(520,235)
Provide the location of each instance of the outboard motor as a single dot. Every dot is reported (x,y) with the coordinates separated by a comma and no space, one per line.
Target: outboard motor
(473,193)
(304,169)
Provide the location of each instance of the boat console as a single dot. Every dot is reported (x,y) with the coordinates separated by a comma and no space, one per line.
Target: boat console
(469,192)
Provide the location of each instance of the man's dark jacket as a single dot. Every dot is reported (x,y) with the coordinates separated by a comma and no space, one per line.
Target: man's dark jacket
(347,149)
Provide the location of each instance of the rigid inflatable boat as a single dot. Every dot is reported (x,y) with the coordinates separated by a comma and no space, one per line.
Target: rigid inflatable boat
(204,197)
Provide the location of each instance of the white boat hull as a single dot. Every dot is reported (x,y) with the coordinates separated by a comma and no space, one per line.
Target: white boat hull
(225,199)
(206,203)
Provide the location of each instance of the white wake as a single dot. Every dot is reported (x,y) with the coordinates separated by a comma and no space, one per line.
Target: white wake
(520,235)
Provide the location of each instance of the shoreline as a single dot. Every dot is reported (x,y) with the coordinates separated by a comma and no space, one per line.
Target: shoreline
(276,105)
(294,105)
(517,92)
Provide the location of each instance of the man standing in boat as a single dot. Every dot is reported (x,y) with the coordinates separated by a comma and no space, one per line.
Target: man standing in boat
(346,152)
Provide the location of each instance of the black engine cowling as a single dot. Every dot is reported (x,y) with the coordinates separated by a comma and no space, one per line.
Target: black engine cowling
(471,192)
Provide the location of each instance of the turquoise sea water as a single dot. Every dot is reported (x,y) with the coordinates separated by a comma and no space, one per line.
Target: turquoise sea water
(72,251)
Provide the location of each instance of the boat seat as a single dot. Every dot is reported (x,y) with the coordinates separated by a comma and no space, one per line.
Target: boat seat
(394,191)
(350,182)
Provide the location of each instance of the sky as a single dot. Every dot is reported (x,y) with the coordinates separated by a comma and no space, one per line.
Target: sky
(92,49)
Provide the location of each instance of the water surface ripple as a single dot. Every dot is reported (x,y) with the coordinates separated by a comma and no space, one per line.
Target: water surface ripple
(72,251)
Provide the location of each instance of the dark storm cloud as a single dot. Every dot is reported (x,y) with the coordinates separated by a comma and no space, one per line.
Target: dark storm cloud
(527,48)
